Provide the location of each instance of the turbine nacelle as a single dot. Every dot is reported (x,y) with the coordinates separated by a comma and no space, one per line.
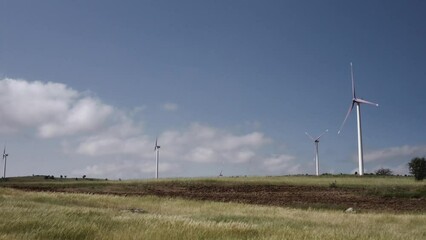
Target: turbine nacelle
(156,145)
(157,156)
(318,138)
(5,155)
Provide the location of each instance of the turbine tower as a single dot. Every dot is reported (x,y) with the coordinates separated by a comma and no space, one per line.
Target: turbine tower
(5,160)
(316,142)
(157,157)
(357,101)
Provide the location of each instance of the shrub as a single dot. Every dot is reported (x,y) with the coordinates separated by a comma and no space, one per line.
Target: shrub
(417,167)
(384,172)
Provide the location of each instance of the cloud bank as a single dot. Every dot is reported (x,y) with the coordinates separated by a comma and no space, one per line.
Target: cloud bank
(116,145)
(201,143)
(52,109)
(116,139)
(395,153)
(395,158)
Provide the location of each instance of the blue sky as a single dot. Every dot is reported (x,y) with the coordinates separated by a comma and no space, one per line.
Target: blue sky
(86,86)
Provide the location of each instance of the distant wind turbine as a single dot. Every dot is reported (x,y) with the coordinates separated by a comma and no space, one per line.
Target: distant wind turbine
(5,155)
(357,101)
(316,142)
(157,157)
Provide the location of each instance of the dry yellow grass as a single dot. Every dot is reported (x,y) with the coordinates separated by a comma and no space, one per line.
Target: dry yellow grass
(30,215)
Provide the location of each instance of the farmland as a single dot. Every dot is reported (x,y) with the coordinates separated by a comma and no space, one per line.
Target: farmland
(398,194)
(214,208)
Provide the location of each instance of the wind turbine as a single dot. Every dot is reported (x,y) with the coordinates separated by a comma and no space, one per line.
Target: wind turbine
(157,157)
(5,160)
(316,142)
(357,101)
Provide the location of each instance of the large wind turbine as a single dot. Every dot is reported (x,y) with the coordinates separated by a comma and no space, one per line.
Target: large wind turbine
(157,157)
(5,160)
(357,101)
(316,142)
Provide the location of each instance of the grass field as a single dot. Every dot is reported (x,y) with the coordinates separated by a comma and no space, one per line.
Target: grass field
(35,215)
(55,215)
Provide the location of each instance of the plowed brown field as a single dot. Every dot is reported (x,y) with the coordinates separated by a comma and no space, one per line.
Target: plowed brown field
(277,195)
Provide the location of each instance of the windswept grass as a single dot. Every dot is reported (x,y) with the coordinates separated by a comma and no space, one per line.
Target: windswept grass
(32,215)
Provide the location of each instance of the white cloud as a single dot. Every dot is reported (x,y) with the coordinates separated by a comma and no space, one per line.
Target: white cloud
(394,158)
(200,143)
(170,107)
(243,156)
(108,145)
(405,153)
(84,115)
(55,110)
(126,169)
(202,154)
(122,137)
(281,164)
(52,109)
(91,128)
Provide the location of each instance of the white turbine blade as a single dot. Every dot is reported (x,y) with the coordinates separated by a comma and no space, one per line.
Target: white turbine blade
(353,82)
(322,134)
(307,134)
(347,115)
(155,147)
(365,101)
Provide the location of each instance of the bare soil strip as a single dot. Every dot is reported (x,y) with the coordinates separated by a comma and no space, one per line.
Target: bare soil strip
(275,195)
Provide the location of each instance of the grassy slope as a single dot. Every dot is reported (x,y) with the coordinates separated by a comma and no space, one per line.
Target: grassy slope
(35,215)
(41,215)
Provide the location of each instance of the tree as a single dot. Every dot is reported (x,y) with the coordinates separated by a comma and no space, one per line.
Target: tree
(384,172)
(417,167)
